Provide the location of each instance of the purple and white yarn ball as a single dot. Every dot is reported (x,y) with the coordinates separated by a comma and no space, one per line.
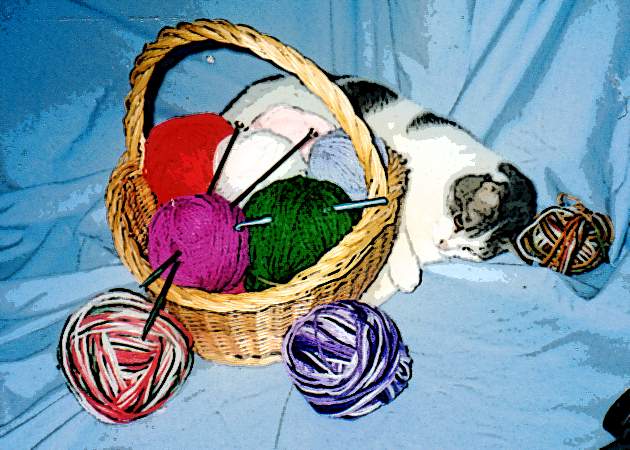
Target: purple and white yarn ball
(347,359)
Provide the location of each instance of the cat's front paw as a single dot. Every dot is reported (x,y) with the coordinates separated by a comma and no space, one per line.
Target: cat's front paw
(381,290)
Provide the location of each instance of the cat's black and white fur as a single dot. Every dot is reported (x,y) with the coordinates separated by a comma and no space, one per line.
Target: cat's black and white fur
(463,200)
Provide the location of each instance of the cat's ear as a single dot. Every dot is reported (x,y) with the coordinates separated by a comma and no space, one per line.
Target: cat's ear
(522,189)
(520,204)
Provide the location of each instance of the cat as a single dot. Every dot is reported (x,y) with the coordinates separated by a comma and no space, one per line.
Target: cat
(462,201)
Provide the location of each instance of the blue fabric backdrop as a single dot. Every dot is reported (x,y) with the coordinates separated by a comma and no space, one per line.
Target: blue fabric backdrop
(506,355)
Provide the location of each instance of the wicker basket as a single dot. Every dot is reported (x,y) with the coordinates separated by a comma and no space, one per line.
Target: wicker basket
(247,329)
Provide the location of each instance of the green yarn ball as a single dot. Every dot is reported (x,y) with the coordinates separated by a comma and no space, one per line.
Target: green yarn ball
(301,230)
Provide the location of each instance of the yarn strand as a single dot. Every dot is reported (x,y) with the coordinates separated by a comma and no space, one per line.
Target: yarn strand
(311,134)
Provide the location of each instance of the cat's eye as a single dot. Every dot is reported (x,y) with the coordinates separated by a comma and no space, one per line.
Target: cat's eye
(458,221)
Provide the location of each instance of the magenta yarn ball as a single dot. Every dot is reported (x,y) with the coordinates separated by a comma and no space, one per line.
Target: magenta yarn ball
(214,255)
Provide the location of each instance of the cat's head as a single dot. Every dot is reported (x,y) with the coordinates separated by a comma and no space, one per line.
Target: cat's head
(483,214)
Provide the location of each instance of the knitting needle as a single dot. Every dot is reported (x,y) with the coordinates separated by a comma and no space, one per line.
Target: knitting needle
(378,201)
(358,204)
(248,223)
(154,276)
(237,128)
(157,272)
(311,134)
(160,300)
(172,260)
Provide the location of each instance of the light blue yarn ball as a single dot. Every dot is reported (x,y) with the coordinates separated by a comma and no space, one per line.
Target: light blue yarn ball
(333,159)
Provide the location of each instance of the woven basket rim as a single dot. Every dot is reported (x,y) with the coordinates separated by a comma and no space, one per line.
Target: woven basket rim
(339,260)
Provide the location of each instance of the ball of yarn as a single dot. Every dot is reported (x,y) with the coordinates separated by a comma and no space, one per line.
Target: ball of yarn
(301,232)
(113,373)
(333,158)
(179,154)
(347,359)
(293,123)
(253,153)
(214,256)
(569,239)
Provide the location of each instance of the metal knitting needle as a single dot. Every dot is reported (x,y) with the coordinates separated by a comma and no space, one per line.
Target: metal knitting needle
(311,134)
(248,223)
(358,204)
(160,300)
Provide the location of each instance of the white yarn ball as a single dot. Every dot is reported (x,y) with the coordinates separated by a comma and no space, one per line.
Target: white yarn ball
(253,153)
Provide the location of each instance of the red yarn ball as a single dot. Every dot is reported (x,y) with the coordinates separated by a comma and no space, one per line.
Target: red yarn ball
(115,374)
(179,154)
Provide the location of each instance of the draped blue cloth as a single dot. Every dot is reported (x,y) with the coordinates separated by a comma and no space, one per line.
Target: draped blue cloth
(505,355)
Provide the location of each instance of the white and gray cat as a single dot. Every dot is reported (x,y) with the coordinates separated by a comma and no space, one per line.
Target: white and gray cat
(463,200)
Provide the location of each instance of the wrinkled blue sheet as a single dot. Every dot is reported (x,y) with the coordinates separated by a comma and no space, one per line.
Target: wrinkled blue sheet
(506,355)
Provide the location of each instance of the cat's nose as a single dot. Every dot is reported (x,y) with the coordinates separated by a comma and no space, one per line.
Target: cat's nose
(443,244)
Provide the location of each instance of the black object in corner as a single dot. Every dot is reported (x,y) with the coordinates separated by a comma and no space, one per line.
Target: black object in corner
(617,423)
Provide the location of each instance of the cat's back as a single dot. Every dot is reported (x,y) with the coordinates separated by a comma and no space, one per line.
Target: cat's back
(448,144)
(426,140)
(370,100)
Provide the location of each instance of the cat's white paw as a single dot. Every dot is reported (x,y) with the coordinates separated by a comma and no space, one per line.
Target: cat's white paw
(402,264)
(381,290)
(401,273)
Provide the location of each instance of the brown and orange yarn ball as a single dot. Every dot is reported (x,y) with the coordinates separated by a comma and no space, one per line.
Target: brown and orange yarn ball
(570,239)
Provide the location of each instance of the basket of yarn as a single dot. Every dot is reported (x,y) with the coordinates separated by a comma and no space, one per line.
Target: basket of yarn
(568,238)
(247,328)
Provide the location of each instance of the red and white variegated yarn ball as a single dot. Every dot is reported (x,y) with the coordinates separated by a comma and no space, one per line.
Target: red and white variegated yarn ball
(115,375)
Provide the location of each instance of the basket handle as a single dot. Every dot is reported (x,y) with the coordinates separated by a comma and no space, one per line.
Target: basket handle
(265,47)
